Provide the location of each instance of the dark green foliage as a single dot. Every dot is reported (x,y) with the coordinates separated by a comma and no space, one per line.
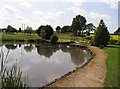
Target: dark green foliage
(54,38)
(78,24)
(65,29)
(90,27)
(45,32)
(11,29)
(38,31)
(112,41)
(101,35)
(58,29)
(28,30)
(20,30)
(88,37)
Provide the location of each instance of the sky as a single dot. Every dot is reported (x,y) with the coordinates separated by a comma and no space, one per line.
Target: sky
(35,13)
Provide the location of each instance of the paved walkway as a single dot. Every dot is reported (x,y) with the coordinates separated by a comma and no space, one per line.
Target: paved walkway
(91,75)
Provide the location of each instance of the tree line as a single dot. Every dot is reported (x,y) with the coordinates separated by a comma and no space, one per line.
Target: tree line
(77,28)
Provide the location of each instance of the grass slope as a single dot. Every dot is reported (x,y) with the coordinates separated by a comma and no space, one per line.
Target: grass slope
(112,66)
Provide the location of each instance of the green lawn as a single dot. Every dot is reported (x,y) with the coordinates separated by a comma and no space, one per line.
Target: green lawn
(19,36)
(112,66)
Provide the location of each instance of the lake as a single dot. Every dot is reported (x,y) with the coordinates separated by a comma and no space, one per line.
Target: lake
(44,62)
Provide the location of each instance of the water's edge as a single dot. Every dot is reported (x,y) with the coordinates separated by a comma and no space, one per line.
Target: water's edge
(67,74)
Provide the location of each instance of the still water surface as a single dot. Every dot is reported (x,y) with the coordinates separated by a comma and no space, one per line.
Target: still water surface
(44,63)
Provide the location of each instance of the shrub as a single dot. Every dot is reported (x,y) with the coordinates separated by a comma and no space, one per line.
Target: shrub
(88,37)
(112,41)
(101,46)
(101,35)
(118,43)
(54,38)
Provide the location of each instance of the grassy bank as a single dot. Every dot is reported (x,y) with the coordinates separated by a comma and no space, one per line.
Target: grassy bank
(19,36)
(112,66)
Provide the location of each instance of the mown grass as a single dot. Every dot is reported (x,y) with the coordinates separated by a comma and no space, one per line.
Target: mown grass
(19,36)
(112,66)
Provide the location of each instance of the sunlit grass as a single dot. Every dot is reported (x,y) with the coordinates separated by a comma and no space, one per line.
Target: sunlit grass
(19,36)
(112,66)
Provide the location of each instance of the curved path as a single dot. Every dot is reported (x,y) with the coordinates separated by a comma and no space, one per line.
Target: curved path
(91,75)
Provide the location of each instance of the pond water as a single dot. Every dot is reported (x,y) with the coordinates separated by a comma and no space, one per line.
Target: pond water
(43,63)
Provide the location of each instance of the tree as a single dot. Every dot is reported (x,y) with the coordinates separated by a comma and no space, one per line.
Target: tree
(90,27)
(58,29)
(20,30)
(38,31)
(54,38)
(65,29)
(78,24)
(11,29)
(28,30)
(45,32)
(101,35)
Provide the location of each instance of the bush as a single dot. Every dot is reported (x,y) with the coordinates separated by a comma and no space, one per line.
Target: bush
(118,43)
(101,35)
(112,41)
(88,37)
(101,46)
(54,38)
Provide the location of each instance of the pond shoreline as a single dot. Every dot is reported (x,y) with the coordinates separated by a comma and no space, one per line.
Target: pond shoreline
(92,74)
(76,69)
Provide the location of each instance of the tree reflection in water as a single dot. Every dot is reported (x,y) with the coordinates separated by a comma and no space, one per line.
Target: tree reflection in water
(47,50)
(28,48)
(11,46)
(78,55)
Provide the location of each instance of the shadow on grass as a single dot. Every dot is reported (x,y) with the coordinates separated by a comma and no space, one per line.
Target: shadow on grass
(112,46)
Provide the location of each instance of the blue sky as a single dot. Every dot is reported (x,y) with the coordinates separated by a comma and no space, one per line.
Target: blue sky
(57,12)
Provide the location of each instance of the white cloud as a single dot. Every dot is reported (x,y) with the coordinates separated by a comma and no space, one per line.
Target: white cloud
(111,3)
(37,12)
(26,4)
(7,9)
(77,10)
(77,2)
(98,16)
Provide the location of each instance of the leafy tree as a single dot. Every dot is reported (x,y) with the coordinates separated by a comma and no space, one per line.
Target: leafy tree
(90,27)
(20,30)
(78,24)
(28,48)
(10,46)
(45,32)
(28,30)
(58,29)
(102,35)
(65,29)
(38,31)
(11,29)
(117,31)
(54,38)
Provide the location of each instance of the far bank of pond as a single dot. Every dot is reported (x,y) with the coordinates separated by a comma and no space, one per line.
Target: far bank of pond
(45,62)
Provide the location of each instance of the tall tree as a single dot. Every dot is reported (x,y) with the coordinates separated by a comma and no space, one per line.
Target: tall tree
(78,24)
(28,30)
(20,30)
(90,27)
(58,29)
(101,35)
(45,32)
(65,29)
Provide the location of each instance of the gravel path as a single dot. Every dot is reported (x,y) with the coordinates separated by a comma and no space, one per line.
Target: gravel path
(91,75)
